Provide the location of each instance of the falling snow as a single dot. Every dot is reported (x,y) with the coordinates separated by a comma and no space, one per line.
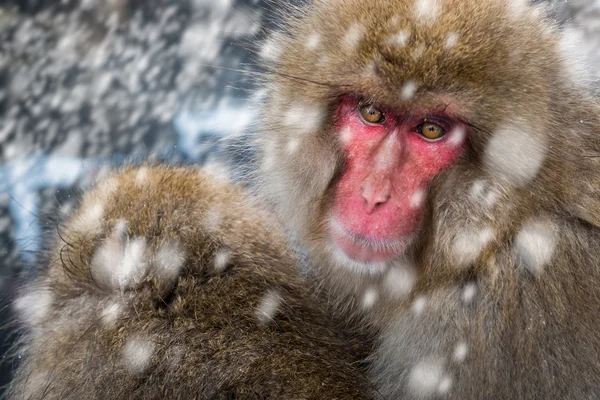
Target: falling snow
(222,259)
(141,176)
(451,40)
(468,245)
(418,198)
(353,36)
(369,298)
(111,313)
(304,118)
(408,90)
(535,244)
(468,293)
(33,307)
(90,218)
(399,39)
(428,377)
(460,352)
(418,305)
(516,152)
(137,354)
(313,41)
(399,281)
(170,259)
(268,307)
(271,50)
(120,261)
(427,10)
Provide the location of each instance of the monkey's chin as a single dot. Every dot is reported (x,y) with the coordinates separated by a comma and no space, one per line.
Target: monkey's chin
(362,254)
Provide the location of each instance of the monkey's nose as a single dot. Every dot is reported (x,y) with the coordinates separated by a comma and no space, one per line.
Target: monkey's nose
(375,194)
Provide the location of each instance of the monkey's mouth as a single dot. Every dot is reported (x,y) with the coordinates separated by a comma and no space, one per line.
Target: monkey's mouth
(364,249)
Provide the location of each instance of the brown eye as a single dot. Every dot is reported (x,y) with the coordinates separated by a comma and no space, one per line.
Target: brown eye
(430,131)
(371,114)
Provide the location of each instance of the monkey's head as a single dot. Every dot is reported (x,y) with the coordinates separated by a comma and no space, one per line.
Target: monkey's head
(397,129)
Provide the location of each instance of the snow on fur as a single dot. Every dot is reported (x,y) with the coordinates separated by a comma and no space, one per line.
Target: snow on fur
(120,262)
(137,353)
(535,244)
(34,306)
(268,306)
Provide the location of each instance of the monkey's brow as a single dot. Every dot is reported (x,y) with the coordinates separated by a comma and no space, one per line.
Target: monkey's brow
(472,125)
(301,79)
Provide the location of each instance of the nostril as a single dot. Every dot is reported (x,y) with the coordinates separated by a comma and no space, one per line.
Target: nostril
(375,195)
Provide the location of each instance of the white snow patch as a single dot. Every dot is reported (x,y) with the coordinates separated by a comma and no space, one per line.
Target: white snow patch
(457,136)
(90,218)
(304,118)
(170,258)
(418,198)
(271,50)
(460,352)
(137,354)
(517,8)
(222,259)
(427,378)
(427,10)
(353,36)
(268,306)
(119,262)
(469,244)
(575,56)
(346,135)
(535,244)
(408,90)
(141,176)
(313,41)
(399,39)
(477,189)
(445,385)
(468,293)
(292,146)
(111,314)
(419,304)
(369,298)
(451,40)
(399,281)
(34,306)
(516,152)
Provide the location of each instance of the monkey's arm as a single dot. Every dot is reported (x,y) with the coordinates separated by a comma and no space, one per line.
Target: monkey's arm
(167,284)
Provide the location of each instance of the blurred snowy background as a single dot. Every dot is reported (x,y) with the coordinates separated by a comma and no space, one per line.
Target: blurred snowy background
(86,85)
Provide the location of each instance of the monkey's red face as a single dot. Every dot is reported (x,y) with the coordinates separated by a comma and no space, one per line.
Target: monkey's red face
(391,158)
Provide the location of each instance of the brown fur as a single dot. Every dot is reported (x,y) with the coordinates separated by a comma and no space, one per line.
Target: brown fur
(530,335)
(196,333)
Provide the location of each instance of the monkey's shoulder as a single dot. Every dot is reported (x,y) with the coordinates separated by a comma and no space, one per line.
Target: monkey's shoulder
(166,282)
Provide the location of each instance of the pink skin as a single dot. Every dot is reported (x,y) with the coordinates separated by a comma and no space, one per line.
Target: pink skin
(379,199)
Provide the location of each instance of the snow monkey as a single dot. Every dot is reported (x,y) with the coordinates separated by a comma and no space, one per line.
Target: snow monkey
(440,162)
(167,284)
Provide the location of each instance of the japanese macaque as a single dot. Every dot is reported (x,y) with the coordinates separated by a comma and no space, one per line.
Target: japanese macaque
(440,162)
(168,284)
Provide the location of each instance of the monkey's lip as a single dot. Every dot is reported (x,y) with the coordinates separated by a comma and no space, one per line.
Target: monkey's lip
(364,249)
